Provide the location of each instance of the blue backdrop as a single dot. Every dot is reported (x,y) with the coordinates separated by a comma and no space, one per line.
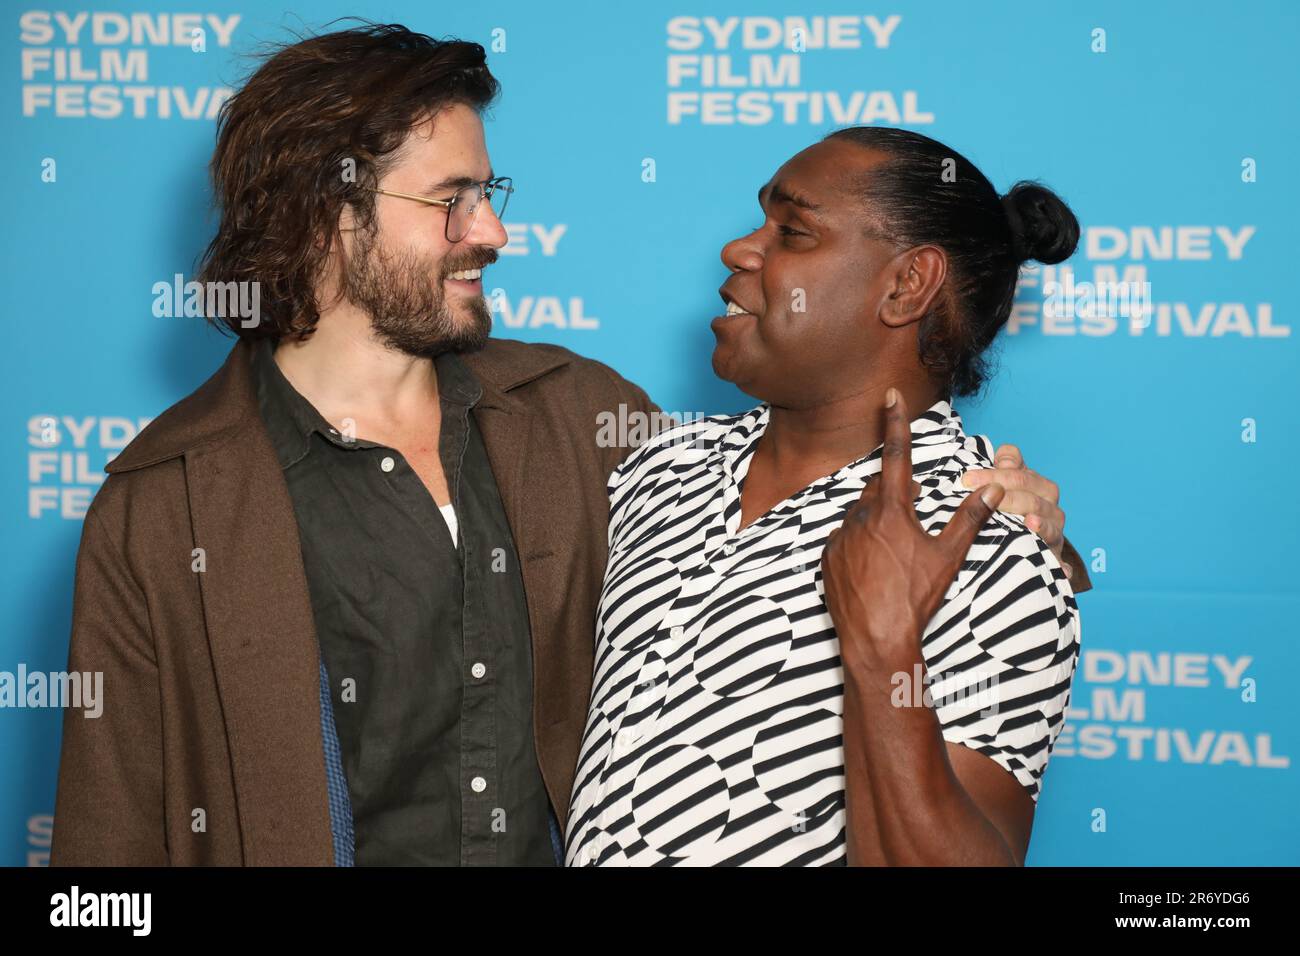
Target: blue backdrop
(637,135)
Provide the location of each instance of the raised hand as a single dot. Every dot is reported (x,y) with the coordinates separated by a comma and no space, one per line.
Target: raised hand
(884,576)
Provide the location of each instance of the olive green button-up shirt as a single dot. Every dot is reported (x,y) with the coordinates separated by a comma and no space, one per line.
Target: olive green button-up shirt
(425,639)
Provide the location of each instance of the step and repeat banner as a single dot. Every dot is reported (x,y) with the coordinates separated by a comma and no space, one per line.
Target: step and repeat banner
(637,135)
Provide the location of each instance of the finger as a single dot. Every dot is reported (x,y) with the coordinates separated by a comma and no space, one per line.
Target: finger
(1026,503)
(896,456)
(1008,456)
(959,534)
(861,509)
(874,488)
(866,502)
(1008,478)
(1036,484)
(1047,530)
(863,505)
(1040,515)
(1014,479)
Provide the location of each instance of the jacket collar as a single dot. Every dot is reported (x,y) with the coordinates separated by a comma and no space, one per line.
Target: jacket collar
(224,404)
(504,365)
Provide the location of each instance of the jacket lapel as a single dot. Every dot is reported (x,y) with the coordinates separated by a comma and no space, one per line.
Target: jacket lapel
(503,422)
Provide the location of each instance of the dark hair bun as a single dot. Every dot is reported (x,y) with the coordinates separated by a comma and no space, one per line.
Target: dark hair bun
(1042,226)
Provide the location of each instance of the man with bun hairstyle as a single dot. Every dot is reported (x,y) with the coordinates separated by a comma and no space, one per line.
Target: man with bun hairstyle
(816,643)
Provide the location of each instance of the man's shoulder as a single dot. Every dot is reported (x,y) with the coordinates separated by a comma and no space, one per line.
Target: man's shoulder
(504,358)
(511,363)
(214,409)
(1005,546)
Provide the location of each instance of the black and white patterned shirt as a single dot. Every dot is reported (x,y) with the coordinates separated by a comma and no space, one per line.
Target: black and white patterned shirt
(714,730)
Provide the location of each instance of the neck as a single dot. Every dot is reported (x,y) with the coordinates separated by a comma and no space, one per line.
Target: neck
(827,436)
(345,372)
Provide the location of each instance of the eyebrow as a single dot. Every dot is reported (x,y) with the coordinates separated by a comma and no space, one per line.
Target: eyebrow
(458,182)
(781,193)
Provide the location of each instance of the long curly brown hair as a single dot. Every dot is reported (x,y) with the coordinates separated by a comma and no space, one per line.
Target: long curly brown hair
(312,129)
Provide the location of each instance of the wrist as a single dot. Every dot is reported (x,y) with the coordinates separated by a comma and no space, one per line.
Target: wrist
(869,661)
(897,703)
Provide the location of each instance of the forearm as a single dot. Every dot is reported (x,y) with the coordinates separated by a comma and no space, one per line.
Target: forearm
(904,804)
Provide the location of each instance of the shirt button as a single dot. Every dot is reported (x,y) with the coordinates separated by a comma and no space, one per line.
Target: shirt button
(728,548)
(478,784)
(589,854)
(478,670)
(677,633)
(387,464)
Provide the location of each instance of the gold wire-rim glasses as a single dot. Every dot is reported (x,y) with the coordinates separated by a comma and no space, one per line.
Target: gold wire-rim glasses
(486,190)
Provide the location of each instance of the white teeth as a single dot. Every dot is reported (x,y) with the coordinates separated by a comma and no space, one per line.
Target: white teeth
(733,309)
(467,275)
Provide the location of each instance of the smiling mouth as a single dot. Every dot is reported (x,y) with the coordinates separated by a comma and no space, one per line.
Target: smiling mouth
(734,308)
(736,315)
(467,275)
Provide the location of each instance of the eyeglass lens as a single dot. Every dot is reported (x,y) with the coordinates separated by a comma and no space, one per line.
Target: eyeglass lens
(465,210)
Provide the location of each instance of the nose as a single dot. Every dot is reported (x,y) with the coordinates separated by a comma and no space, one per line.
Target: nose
(487,229)
(744,254)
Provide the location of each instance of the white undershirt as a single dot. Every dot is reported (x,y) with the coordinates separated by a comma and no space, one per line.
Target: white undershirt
(449,515)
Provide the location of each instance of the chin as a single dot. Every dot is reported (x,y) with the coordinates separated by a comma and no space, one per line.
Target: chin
(750,380)
(719,363)
(728,369)
(473,327)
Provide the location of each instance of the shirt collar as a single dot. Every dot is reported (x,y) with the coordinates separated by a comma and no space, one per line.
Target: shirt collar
(291,420)
(937,434)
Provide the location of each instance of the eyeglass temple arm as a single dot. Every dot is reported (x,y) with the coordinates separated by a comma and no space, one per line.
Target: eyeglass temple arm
(425,199)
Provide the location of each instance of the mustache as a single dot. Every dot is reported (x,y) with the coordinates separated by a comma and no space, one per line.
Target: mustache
(479,257)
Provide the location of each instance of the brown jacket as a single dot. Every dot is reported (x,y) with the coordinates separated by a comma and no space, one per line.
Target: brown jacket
(209,749)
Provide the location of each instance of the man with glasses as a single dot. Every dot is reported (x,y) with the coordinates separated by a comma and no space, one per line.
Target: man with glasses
(344,594)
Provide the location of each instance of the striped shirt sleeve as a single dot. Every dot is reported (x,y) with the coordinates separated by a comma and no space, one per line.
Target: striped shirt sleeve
(1001,652)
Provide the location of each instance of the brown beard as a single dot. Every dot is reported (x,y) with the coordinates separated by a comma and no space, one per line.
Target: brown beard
(403,295)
